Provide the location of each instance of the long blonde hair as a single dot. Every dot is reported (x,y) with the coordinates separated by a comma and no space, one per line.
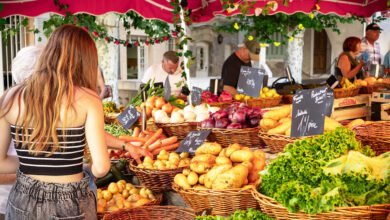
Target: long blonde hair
(68,60)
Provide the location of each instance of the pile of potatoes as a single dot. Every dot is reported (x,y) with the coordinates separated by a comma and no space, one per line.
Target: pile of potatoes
(214,167)
(166,160)
(278,121)
(122,195)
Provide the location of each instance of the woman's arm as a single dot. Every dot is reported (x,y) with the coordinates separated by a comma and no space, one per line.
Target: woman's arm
(8,164)
(345,67)
(7,179)
(95,135)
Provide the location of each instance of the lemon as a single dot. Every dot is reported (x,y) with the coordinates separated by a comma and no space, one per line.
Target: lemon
(269,94)
(246,98)
(265,89)
(263,96)
(237,97)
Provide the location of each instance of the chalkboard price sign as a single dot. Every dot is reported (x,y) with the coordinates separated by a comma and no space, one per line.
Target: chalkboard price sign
(250,81)
(196,95)
(193,140)
(308,114)
(128,117)
(329,102)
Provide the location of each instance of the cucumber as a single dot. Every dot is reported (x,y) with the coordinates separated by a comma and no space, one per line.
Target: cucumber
(104,181)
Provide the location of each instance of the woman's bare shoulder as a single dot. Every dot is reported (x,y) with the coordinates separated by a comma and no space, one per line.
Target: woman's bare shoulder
(87,96)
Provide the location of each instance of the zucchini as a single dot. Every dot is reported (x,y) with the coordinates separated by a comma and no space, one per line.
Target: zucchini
(121,164)
(117,173)
(104,181)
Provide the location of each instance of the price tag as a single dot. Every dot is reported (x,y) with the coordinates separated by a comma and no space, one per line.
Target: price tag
(250,81)
(329,102)
(128,117)
(193,140)
(216,86)
(308,113)
(196,95)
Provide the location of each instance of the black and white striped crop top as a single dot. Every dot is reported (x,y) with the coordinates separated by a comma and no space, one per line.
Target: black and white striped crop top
(67,160)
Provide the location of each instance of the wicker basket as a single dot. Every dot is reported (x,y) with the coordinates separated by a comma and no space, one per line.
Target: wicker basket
(153,213)
(376,135)
(287,99)
(150,125)
(247,137)
(156,180)
(274,209)
(276,142)
(156,201)
(264,102)
(343,93)
(222,202)
(220,104)
(180,130)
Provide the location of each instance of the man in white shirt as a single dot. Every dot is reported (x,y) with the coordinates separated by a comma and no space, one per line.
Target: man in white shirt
(169,67)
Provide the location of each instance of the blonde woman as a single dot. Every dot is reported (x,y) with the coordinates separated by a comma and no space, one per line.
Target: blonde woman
(51,117)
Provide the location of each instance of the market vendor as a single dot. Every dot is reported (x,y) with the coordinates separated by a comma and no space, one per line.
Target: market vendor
(166,71)
(247,52)
(348,65)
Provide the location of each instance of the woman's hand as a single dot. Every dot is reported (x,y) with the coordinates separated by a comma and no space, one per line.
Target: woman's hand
(137,152)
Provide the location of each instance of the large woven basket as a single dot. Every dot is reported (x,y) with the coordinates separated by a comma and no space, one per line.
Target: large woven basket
(275,142)
(376,135)
(156,201)
(274,209)
(222,202)
(247,137)
(153,213)
(150,125)
(156,180)
(220,104)
(180,130)
(348,92)
(264,102)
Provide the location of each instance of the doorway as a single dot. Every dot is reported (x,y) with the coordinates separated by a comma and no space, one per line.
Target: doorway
(321,51)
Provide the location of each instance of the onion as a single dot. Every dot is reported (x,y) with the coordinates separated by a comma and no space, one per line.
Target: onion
(159,103)
(167,108)
(149,111)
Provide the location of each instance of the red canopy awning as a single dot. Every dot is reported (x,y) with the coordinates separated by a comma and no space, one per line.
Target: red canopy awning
(202,10)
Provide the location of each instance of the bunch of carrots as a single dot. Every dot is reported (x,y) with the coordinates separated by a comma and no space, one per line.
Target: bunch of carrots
(153,141)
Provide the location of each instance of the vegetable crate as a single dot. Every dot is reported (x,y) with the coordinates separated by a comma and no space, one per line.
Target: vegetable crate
(351,108)
(376,135)
(246,136)
(272,208)
(153,212)
(156,180)
(221,202)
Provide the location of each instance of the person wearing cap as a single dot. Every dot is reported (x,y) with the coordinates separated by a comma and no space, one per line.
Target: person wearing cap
(243,56)
(370,49)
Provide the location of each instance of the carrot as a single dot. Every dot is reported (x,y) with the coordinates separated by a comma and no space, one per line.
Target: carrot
(167,148)
(138,144)
(168,141)
(155,145)
(128,138)
(146,132)
(136,132)
(142,135)
(153,138)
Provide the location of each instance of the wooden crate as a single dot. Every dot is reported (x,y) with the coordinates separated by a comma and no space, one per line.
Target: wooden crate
(351,107)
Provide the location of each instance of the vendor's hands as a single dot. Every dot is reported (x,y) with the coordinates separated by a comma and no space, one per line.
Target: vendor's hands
(137,152)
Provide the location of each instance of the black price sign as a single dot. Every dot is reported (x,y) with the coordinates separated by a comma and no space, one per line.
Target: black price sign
(308,113)
(250,81)
(167,89)
(193,140)
(329,102)
(128,117)
(196,95)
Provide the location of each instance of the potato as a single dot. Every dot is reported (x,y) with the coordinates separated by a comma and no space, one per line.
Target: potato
(209,148)
(267,123)
(222,153)
(281,129)
(331,124)
(277,114)
(184,155)
(186,172)
(248,164)
(201,178)
(181,181)
(222,160)
(233,178)
(200,167)
(173,156)
(192,178)
(231,149)
(241,156)
(207,158)
(213,174)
